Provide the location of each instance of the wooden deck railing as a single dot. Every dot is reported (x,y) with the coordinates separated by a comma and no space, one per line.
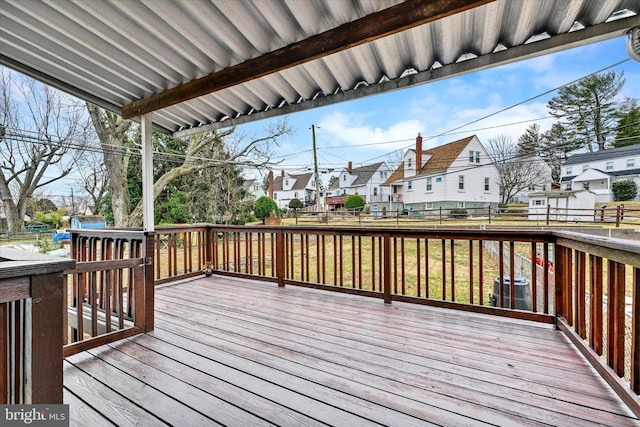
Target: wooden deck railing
(439,267)
(597,291)
(31,324)
(109,293)
(461,269)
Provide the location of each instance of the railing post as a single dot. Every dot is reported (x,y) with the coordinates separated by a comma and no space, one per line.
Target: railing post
(548,213)
(561,280)
(617,216)
(280,256)
(635,333)
(489,208)
(149,285)
(208,249)
(387,268)
(46,321)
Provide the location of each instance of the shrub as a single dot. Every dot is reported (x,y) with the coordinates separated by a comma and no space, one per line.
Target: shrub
(458,213)
(296,204)
(624,190)
(263,208)
(354,201)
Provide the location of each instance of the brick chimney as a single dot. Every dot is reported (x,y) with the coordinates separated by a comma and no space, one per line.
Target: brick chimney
(282,173)
(418,153)
(270,180)
(350,167)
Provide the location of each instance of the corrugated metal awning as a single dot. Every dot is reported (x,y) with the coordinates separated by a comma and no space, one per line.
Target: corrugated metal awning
(121,54)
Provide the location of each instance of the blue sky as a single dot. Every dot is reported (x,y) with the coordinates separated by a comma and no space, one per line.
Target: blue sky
(366,130)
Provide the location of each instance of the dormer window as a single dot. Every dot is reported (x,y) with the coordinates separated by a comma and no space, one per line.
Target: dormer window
(286,182)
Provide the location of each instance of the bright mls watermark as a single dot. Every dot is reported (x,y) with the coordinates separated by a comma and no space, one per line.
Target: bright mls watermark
(34,415)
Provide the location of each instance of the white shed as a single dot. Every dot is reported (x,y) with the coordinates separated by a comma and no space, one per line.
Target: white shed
(563,205)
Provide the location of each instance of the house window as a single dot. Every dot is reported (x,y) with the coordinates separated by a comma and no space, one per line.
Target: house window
(538,202)
(461,182)
(375,191)
(631,163)
(585,167)
(568,171)
(460,205)
(471,156)
(567,186)
(381,175)
(477,157)
(486,184)
(275,196)
(439,179)
(286,182)
(585,185)
(609,166)
(428,205)
(409,163)
(344,177)
(429,184)
(255,188)
(409,185)
(295,195)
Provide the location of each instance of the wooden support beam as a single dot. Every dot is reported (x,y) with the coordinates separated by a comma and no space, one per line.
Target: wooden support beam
(395,19)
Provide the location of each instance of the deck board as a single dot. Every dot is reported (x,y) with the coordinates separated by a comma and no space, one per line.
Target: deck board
(236,352)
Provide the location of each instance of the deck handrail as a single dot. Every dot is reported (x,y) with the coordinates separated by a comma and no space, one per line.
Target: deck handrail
(591,306)
(31,299)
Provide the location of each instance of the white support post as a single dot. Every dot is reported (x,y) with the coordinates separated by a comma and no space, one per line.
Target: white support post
(147,174)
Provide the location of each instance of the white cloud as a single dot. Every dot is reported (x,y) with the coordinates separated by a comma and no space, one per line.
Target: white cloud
(347,130)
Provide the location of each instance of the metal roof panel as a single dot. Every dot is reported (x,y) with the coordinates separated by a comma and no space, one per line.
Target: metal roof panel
(116,52)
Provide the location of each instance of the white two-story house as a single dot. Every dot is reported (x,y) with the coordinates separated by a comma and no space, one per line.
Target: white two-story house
(458,175)
(597,171)
(288,187)
(253,189)
(366,181)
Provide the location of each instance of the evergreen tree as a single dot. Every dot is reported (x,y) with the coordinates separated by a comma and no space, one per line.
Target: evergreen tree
(531,140)
(555,146)
(628,128)
(587,108)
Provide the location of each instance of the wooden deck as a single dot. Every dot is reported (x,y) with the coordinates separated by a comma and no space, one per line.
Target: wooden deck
(242,353)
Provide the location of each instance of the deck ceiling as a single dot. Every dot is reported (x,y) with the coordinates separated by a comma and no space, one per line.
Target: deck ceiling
(200,65)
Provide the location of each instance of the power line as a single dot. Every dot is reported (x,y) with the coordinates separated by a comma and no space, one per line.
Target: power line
(514,105)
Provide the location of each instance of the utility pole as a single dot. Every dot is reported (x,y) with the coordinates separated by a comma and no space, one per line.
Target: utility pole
(315,167)
(73,203)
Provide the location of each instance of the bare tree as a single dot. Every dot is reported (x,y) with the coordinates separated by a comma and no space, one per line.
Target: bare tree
(116,141)
(120,140)
(42,130)
(518,171)
(217,149)
(94,178)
